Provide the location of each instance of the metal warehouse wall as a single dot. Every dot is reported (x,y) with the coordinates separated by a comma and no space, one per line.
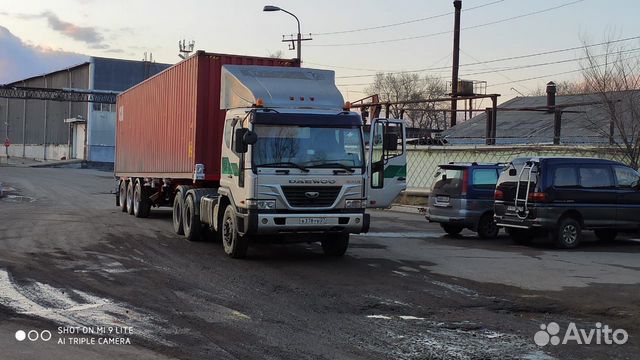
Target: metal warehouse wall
(113,75)
(26,118)
(119,75)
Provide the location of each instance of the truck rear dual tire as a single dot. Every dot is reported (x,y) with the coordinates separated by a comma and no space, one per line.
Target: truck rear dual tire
(192,227)
(178,205)
(122,194)
(235,245)
(336,246)
(130,186)
(141,201)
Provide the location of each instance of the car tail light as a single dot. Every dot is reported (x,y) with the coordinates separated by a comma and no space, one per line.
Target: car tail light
(498,195)
(538,196)
(465,181)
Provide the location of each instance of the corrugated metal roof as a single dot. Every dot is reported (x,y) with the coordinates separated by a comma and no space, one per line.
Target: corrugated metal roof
(591,125)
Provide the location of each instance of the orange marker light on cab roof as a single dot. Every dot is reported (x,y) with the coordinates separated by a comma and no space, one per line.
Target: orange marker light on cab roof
(347,105)
(259,102)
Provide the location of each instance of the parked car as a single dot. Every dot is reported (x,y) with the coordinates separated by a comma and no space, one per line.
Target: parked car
(563,196)
(462,197)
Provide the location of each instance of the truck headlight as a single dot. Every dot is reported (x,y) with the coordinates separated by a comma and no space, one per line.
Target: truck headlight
(354,204)
(261,204)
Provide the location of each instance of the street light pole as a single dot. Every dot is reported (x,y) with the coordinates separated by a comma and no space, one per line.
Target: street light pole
(299,38)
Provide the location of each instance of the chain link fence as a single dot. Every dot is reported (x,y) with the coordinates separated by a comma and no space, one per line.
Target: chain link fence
(422,161)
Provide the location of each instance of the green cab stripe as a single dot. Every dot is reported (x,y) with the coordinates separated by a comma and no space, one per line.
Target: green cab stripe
(229,168)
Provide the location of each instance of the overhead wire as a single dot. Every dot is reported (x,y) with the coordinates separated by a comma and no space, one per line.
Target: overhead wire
(404,22)
(450,31)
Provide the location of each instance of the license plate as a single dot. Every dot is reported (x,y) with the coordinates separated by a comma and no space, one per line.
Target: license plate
(513,209)
(313,221)
(442,199)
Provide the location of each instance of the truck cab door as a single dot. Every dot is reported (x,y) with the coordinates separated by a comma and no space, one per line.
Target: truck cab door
(387,162)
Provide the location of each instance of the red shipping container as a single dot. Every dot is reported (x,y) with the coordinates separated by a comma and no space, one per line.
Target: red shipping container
(172,121)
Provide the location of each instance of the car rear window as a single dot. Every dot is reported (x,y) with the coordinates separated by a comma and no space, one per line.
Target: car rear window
(448,181)
(565,176)
(485,178)
(595,177)
(627,177)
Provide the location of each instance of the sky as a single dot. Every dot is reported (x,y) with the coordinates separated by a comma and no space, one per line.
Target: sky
(40,36)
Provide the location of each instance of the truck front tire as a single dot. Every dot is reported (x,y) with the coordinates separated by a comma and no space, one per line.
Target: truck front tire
(336,245)
(235,246)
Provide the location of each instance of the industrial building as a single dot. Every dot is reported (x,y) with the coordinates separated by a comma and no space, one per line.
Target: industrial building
(54,130)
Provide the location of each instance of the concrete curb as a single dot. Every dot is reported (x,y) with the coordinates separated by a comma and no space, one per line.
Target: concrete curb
(54,163)
(410,209)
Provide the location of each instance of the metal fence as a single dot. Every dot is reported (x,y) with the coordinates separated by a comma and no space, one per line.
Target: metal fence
(422,161)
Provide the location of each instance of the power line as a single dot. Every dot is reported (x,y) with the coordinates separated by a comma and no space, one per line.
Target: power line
(450,31)
(493,60)
(556,74)
(519,66)
(403,22)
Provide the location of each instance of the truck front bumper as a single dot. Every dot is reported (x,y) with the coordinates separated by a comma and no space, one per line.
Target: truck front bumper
(295,223)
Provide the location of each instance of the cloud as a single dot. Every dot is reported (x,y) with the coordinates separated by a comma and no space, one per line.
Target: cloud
(88,35)
(19,60)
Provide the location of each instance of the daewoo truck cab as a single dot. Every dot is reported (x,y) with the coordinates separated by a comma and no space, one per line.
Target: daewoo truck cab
(293,165)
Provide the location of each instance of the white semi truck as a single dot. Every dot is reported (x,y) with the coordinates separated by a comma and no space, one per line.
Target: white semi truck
(293,163)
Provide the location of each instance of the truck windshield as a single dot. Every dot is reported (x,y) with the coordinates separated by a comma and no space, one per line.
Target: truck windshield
(309,147)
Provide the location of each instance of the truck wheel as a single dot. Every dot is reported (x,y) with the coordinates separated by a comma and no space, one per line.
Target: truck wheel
(123,195)
(130,186)
(568,233)
(190,221)
(235,246)
(178,203)
(336,245)
(451,229)
(606,234)
(141,202)
(487,227)
(521,236)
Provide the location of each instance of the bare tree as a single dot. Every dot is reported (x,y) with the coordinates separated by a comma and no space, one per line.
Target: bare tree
(411,87)
(613,76)
(565,88)
(278,54)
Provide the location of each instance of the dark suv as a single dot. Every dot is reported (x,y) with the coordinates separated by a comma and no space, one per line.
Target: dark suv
(563,196)
(462,197)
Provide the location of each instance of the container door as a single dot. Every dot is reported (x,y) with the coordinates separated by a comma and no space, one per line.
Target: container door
(387,167)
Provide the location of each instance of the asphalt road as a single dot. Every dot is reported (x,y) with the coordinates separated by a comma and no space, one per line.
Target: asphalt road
(69,259)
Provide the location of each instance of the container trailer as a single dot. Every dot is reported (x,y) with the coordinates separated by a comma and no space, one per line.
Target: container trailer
(248,149)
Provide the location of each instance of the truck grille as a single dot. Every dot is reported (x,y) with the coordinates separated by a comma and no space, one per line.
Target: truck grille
(304,196)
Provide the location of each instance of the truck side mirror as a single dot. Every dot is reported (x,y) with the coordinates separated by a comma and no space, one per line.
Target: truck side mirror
(391,142)
(250,137)
(239,145)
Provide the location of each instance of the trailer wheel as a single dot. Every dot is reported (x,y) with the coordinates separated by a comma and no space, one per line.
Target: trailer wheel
(141,202)
(336,245)
(235,246)
(130,185)
(122,190)
(190,221)
(178,203)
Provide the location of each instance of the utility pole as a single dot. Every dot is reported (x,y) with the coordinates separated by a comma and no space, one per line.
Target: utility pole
(299,39)
(457,4)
